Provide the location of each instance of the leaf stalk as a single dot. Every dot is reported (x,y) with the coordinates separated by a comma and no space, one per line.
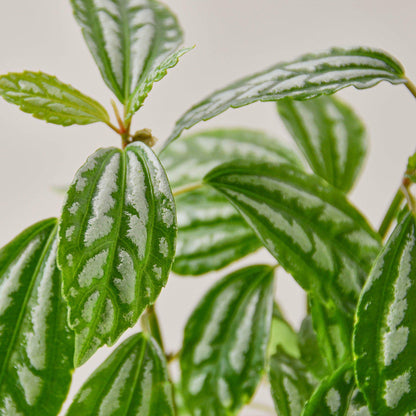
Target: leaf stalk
(150,325)
(391,213)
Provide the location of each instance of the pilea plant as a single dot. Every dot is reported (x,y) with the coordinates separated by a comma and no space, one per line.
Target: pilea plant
(71,285)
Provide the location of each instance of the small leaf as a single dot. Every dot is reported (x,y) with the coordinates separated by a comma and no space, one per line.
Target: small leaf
(132,381)
(133,43)
(330,135)
(333,330)
(282,335)
(117,242)
(36,345)
(385,331)
(310,351)
(291,384)
(47,98)
(212,233)
(225,342)
(332,396)
(307,77)
(306,224)
(156,74)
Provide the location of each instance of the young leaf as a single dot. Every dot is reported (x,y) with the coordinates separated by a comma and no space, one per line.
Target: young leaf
(306,77)
(132,381)
(291,384)
(36,345)
(333,330)
(332,396)
(308,225)
(117,242)
(330,135)
(225,342)
(212,233)
(131,42)
(310,351)
(47,98)
(385,331)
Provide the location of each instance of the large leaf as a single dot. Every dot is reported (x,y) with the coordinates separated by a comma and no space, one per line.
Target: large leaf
(332,396)
(306,77)
(36,345)
(117,241)
(132,381)
(330,135)
(333,331)
(385,330)
(47,98)
(308,225)
(225,343)
(212,233)
(130,40)
(291,384)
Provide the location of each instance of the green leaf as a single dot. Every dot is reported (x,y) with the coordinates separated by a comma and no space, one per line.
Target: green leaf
(36,345)
(306,224)
(385,331)
(212,233)
(131,42)
(333,330)
(47,98)
(282,335)
(332,396)
(306,77)
(310,350)
(330,135)
(132,381)
(117,242)
(291,384)
(358,405)
(225,342)
(158,72)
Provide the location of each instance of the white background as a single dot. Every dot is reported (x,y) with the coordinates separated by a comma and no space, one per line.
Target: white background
(233,38)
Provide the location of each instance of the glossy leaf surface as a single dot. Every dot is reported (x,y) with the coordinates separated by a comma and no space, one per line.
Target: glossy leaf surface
(308,225)
(132,381)
(225,342)
(47,98)
(129,40)
(306,77)
(291,384)
(385,331)
(117,241)
(212,233)
(36,344)
(332,396)
(330,135)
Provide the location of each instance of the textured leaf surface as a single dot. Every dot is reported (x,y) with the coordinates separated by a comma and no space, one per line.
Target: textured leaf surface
(333,331)
(117,241)
(332,396)
(385,331)
(132,381)
(130,40)
(291,384)
(36,345)
(212,234)
(47,98)
(306,77)
(308,225)
(225,343)
(330,135)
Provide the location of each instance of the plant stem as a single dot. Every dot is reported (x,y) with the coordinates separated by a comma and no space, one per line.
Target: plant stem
(150,325)
(411,87)
(186,188)
(391,213)
(409,197)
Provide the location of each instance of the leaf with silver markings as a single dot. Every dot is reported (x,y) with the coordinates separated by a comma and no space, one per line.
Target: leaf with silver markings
(36,344)
(117,238)
(132,381)
(225,342)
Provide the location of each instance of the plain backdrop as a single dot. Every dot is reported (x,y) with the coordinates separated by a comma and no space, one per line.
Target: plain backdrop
(233,38)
